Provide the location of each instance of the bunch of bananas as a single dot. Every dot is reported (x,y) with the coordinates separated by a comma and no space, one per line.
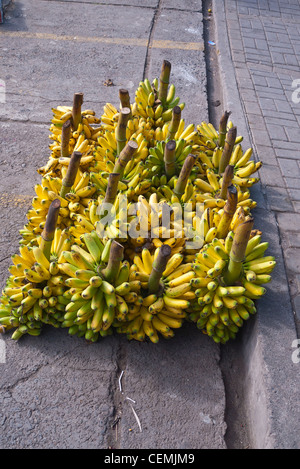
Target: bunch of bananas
(164,310)
(99,290)
(33,295)
(67,138)
(222,307)
(154,102)
(73,204)
(174,245)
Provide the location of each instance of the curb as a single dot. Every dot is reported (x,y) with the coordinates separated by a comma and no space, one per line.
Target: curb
(270,378)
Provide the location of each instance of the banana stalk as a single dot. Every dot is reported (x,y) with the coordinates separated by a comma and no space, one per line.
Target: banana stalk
(164,81)
(124,99)
(112,269)
(229,210)
(125,156)
(237,251)
(228,147)
(65,139)
(121,128)
(69,179)
(184,175)
(158,267)
(76,110)
(174,124)
(47,235)
(169,158)
(112,188)
(227,178)
(223,128)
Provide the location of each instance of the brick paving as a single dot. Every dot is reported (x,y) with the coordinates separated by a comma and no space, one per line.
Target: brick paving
(264,38)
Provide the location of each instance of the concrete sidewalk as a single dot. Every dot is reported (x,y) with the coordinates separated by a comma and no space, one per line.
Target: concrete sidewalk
(258,48)
(57,391)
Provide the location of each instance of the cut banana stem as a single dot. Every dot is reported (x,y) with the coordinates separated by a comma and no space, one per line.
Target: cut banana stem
(164,80)
(112,269)
(112,188)
(65,139)
(47,235)
(184,175)
(120,132)
(169,158)
(69,179)
(223,128)
(228,147)
(228,212)
(237,251)
(125,156)
(158,267)
(226,182)
(76,110)
(124,98)
(174,124)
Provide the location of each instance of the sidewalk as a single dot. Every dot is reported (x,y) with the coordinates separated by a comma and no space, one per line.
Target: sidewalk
(258,47)
(265,51)
(56,391)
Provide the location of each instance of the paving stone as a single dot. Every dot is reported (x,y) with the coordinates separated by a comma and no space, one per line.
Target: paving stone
(294,194)
(293,240)
(252,107)
(267,103)
(246,83)
(278,57)
(283,106)
(276,132)
(279,199)
(266,154)
(291,59)
(268,92)
(274,82)
(261,137)
(287,145)
(289,221)
(282,116)
(256,122)
(262,45)
(271,176)
(292,259)
(293,134)
(249,42)
(292,183)
(285,153)
(289,168)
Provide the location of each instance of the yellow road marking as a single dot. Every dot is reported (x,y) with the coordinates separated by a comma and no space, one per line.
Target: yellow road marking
(156,44)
